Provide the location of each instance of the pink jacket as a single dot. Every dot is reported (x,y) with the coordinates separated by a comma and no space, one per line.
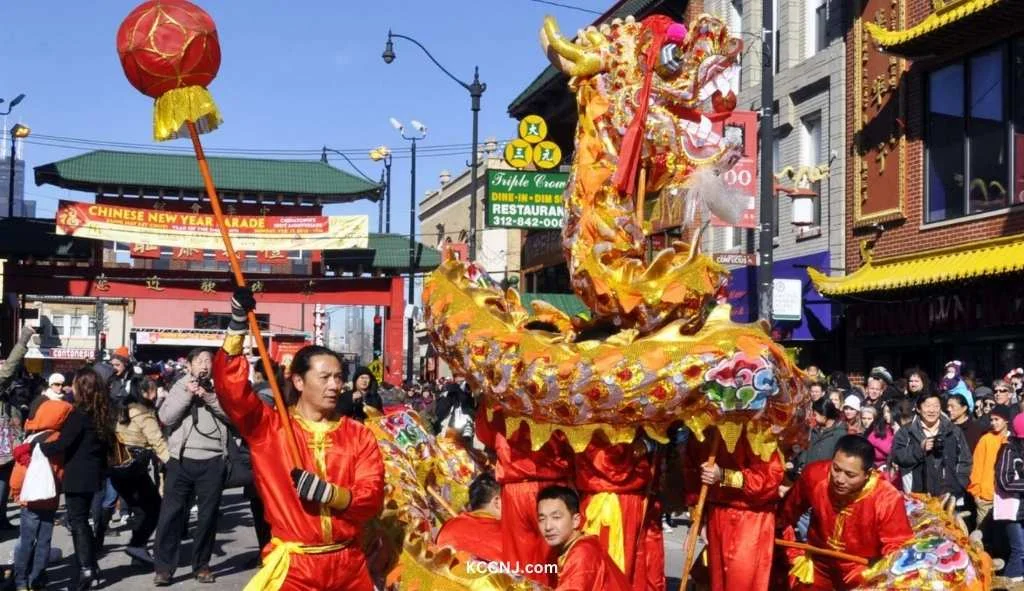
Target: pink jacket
(882,445)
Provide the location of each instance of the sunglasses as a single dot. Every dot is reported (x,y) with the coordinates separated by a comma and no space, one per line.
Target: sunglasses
(989,404)
(1002,390)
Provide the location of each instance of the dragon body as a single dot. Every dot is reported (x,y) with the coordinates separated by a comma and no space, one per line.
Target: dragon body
(658,347)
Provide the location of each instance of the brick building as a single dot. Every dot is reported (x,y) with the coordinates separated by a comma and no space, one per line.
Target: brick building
(935,186)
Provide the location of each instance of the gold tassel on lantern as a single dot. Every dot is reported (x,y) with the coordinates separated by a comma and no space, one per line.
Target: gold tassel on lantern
(803,569)
(176,107)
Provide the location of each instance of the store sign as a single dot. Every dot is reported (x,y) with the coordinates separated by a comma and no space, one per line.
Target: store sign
(787,299)
(68,353)
(745,259)
(542,249)
(200,230)
(178,337)
(986,307)
(525,199)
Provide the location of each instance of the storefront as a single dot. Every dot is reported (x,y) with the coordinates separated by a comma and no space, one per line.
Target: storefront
(964,303)
(813,333)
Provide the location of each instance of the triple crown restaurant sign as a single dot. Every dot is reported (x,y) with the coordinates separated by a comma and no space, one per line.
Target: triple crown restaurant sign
(525,199)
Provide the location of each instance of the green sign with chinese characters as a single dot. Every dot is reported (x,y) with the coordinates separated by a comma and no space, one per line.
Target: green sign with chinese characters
(525,199)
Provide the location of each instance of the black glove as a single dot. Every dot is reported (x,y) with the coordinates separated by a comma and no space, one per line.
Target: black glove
(242,302)
(311,487)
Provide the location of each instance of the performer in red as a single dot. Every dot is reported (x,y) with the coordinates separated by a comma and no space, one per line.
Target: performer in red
(478,531)
(316,513)
(853,510)
(615,482)
(583,565)
(522,473)
(743,493)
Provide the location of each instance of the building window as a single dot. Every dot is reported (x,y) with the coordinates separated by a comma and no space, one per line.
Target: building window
(968,136)
(732,237)
(810,155)
(819,20)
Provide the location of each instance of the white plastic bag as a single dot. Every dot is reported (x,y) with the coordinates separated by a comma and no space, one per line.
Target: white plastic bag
(40,484)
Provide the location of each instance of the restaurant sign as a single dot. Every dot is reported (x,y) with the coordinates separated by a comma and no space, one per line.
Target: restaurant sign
(525,199)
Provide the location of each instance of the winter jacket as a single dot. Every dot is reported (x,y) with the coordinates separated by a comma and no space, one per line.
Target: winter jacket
(882,445)
(143,431)
(84,453)
(10,366)
(50,416)
(822,445)
(932,473)
(973,429)
(983,479)
(355,409)
(197,427)
(1009,472)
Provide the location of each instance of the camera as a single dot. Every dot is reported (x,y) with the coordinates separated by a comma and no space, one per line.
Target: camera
(206,383)
(937,447)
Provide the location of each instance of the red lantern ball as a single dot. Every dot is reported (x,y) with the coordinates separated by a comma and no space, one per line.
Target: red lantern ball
(168,44)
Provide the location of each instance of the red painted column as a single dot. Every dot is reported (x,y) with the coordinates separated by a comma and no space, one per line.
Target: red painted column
(394,332)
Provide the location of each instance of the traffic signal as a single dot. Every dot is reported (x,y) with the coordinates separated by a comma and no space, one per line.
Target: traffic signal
(378,336)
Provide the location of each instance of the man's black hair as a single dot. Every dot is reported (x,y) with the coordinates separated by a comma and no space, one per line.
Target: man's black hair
(482,490)
(824,407)
(855,445)
(557,492)
(925,396)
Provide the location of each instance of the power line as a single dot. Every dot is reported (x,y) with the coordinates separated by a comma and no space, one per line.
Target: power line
(568,6)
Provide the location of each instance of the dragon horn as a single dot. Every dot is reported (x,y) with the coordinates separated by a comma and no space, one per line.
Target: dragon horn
(565,55)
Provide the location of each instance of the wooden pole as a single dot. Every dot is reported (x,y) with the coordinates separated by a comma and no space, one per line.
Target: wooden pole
(440,501)
(698,514)
(822,551)
(641,196)
(236,269)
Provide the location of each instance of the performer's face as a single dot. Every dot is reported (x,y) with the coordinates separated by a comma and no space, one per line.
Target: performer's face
(320,386)
(557,523)
(848,475)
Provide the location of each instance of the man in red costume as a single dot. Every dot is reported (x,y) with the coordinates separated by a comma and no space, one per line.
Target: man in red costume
(583,565)
(742,495)
(522,473)
(478,531)
(316,511)
(615,482)
(853,510)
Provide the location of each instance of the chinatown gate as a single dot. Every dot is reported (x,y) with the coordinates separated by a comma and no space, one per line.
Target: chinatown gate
(179,294)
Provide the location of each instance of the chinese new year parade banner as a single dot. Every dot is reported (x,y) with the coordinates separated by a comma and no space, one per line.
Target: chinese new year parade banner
(199,230)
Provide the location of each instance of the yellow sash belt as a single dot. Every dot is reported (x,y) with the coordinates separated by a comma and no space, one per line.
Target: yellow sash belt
(604,510)
(275,566)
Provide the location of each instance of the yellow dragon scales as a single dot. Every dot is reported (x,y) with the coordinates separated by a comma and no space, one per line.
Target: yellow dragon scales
(657,349)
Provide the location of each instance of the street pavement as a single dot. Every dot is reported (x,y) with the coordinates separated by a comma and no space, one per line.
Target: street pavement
(233,559)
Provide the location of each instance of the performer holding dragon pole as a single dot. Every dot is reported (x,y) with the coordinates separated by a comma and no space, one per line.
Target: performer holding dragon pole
(316,513)
(741,502)
(615,482)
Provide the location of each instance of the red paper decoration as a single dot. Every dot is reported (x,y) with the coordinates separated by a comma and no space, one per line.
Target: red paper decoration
(168,44)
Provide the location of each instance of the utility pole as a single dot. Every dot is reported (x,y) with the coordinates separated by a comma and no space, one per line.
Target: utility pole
(766,229)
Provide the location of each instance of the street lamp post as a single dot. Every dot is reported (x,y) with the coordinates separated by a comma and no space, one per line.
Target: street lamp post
(765,230)
(421,132)
(378,154)
(476,90)
(18,131)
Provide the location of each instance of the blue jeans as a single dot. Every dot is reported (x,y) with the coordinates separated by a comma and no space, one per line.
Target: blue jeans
(1015,537)
(33,549)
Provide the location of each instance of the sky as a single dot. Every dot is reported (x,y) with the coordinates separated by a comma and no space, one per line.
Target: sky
(294,76)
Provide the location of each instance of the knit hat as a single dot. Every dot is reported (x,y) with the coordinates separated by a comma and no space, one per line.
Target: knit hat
(1002,411)
(55,378)
(1018,425)
(853,402)
(880,373)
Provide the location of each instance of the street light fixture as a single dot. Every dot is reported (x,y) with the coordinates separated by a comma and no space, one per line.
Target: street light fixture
(409,324)
(476,90)
(19,131)
(14,103)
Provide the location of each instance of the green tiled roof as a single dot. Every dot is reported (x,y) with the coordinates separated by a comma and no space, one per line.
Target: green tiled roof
(623,9)
(566,302)
(385,251)
(132,172)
